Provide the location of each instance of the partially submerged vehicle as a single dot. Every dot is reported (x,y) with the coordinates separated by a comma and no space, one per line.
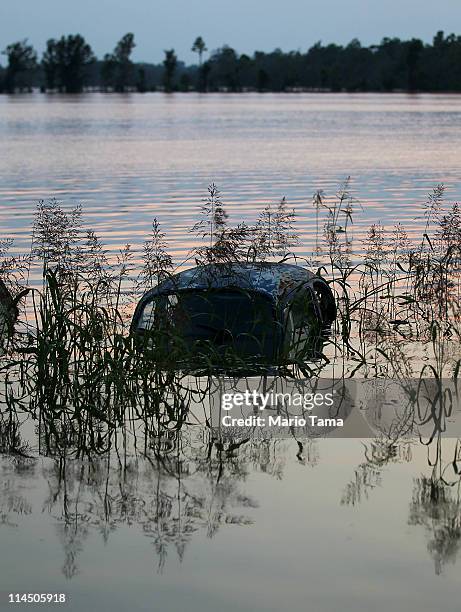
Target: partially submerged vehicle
(265,313)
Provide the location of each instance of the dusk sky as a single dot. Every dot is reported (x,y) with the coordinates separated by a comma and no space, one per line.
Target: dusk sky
(246,25)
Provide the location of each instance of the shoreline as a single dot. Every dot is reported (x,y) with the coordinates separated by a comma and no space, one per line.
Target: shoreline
(295,91)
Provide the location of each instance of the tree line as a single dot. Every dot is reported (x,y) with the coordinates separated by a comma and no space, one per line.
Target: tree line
(69,65)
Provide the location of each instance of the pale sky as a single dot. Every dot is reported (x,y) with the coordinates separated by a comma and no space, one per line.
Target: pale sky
(246,25)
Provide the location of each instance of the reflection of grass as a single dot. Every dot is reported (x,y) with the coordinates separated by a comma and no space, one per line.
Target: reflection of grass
(175,493)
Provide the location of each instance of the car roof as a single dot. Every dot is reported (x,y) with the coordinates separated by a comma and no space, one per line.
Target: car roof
(274,279)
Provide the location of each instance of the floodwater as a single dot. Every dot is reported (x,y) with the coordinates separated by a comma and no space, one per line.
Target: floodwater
(128,158)
(265,530)
(346,524)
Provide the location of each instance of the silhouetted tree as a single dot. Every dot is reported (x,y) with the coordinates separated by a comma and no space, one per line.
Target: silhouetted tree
(21,58)
(66,60)
(199,47)
(414,49)
(50,63)
(204,76)
(391,65)
(141,85)
(169,63)
(117,68)
(262,80)
(108,71)
(225,69)
(184,82)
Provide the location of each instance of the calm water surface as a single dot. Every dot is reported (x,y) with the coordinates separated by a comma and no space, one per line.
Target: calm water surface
(330,531)
(128,158)
(272,532)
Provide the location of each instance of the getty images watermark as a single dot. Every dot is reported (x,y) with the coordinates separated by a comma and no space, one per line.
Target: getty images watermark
(288,409)
(361,408)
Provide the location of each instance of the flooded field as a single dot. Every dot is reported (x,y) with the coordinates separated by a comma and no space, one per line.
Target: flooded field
(117,486)
(128,158)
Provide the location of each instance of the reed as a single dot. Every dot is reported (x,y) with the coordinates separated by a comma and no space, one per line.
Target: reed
(99,399)
(72,357)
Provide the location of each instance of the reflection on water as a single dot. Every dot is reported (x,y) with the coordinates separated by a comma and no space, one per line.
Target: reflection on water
(132,157)
(249,522)
(202,518)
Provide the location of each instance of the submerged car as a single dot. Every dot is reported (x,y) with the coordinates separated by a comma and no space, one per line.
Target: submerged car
(264,312)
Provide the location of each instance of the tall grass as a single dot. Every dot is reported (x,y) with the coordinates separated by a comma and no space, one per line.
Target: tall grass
(72,359)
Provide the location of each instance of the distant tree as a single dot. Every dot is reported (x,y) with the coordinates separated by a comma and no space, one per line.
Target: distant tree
(169,64)
(184,82)
(225,69)
(141,85)
(204,76)
(414,50)
(21,58)
(439,39)
(66,61)
(122,53)
(50,63)
(108,71)
(117,67)
(262,80)
(391,65)
(199,47)
(245,72)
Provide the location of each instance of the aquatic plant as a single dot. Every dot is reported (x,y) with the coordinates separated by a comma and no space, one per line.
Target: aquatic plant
(399,295)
